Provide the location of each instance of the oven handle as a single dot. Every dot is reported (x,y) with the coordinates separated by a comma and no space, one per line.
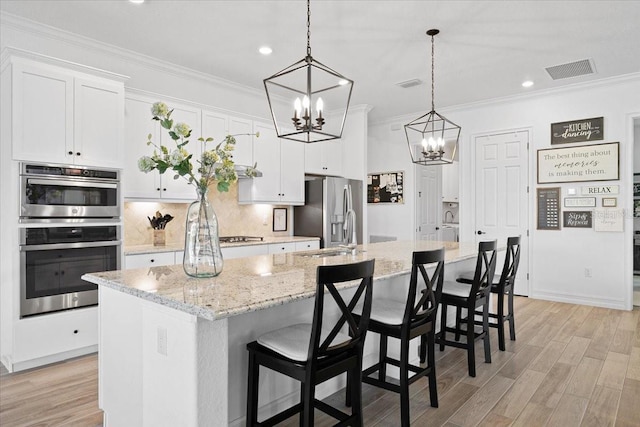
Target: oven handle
(62,182)
(75,245)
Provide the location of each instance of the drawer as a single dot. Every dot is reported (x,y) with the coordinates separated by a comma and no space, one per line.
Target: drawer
(49,334)
(149,260)
(280,248)
(307,246)
(244,251)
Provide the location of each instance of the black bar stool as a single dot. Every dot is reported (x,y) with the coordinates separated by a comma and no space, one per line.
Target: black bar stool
(462,296)
(502,287)
(312,353)
(413,318)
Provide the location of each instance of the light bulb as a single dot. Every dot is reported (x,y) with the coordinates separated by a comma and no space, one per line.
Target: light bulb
(319,105)
(305,102)
(440,142)
(424,143)
(297,106)
(432,143)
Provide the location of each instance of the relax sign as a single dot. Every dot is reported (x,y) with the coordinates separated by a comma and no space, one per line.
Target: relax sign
(577,131)
(597,162)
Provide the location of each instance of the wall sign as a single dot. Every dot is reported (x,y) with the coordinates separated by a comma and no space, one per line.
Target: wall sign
(584,130)
(609,202)
(608,219)
(601,190)
(596,162)
(579,202)
(385,187)
(549,208)
(576,219)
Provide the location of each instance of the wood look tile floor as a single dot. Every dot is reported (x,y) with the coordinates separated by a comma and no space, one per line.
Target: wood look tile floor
(571,365)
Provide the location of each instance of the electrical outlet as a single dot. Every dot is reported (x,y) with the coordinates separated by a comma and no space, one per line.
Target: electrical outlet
(587,272)
(162,340)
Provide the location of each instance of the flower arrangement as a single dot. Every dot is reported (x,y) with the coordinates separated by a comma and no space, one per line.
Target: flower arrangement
(214,165)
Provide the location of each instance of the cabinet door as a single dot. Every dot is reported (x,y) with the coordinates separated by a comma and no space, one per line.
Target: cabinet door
(291,172)
(137,126)
(99,123)
(277,248)
(149,260)
(313,158)
(307,246)
(180,188)
(214,125)
(450,181)
(42,114)
(243,154)
(267,155)
(332,157)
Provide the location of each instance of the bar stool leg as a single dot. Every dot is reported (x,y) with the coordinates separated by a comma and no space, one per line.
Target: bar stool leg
(500,321)
(443,325)
(512,322)
(471,348)
(307,395)
(404,382)
(433,388)
(485,328)
(458,322)
(422,350)
(356,393)
(382,372)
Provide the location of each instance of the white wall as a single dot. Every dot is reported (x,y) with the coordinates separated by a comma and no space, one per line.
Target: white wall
(558,258)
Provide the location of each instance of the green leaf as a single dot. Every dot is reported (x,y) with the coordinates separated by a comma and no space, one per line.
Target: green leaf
(149,137)
(223,186)
(167,123)
(176,176)
(209,139)
(173,135)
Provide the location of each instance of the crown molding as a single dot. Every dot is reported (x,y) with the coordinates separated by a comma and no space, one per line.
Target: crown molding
(59,35)
(607,81)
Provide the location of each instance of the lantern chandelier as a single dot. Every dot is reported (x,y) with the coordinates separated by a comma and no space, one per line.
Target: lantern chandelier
(308,100)
(432,138)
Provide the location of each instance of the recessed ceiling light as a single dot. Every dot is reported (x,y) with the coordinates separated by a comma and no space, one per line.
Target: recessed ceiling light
(136,1)
(265,50)
(527,83)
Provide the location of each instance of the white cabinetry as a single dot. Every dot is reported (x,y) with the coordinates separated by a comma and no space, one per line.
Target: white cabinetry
(64,116)
(450,180)
(138,125)
(307,246)
(280,248)
(282,165)
(231,252)
(323,158)
(155,259)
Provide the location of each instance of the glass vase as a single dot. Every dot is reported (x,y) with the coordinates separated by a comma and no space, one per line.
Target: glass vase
(202,253)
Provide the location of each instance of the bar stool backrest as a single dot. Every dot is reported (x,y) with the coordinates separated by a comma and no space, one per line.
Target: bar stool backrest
(326,278)
(485,268)
(425,308)
(511,262)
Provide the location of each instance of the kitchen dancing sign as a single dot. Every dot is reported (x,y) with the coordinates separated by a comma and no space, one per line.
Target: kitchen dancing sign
(584,130)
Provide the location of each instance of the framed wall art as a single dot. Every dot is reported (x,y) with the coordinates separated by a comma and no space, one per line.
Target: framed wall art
(609,202)
(584,130)
(385,187)
(279,219)
(579,202)
(595,162)
(549,208)
(577,219)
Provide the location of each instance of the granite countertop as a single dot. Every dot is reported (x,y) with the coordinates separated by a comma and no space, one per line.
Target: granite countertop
(150,249)
(259,282)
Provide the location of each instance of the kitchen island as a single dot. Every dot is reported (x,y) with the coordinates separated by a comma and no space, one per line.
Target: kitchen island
(172,348)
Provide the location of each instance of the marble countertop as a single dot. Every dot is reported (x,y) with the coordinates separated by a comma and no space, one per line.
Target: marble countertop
(150,249)
(255,283)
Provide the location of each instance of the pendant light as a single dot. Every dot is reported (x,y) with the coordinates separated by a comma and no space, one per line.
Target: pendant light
(308,100)
(432,138)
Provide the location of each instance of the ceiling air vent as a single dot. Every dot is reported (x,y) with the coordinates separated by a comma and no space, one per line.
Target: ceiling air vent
(571,69)
(410,83)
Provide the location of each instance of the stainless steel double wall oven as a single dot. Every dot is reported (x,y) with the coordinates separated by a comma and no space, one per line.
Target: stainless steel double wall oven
(71,226)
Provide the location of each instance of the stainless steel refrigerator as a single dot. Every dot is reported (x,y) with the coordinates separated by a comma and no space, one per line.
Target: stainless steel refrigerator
(332,211)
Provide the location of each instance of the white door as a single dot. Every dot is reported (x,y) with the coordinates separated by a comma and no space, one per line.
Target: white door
(501,193)
(428,204)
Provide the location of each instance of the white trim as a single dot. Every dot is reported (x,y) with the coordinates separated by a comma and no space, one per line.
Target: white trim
(627,194)
(596,301)
(53,358)
(53,33)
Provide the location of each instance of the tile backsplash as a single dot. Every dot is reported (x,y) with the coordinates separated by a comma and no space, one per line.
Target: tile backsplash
(233,219)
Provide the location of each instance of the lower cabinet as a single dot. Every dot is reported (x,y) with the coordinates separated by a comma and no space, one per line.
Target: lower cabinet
(151,260)
(307,246)
(244,251)
(50,336)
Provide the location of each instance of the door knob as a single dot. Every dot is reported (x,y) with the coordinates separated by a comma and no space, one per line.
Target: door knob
(481,232)
(437,228)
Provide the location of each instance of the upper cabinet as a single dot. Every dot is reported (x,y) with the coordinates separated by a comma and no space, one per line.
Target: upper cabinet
(64,116)
(450,181)
(138,126)
(281,162)
(323,158)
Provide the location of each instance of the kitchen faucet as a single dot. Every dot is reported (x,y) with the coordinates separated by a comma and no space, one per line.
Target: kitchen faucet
(445,216)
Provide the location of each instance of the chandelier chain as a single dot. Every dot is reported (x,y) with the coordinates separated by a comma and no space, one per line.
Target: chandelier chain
(308,27)
(433,100)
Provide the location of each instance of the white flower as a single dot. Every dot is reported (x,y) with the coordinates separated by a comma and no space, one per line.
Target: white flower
(182,129)
(146,164)
(177,156)
(160,109)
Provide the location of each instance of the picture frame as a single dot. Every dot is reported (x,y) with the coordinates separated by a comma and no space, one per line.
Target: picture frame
(385,188)
(594,162)
(609,202)
(279,219)
(584,130)
(579,202)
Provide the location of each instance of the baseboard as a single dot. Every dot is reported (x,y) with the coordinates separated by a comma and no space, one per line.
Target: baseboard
(53,358)
(614,303)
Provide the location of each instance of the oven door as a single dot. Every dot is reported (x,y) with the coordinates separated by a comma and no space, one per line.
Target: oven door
(59,197)
(51,274)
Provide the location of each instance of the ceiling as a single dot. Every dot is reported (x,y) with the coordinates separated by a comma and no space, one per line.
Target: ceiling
(485,50)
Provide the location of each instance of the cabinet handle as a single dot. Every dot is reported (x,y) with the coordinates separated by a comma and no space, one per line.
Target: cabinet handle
(152,260)
(78,153)
(158,189)
(71,153)
(75,331)
(164,189)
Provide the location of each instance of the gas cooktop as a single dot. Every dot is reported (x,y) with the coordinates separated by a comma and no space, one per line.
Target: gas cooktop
(237,239)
